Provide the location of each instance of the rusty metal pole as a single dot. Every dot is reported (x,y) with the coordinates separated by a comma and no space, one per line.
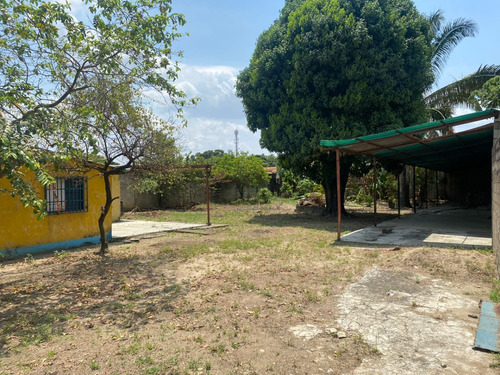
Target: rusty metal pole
(437,189)
(207,187)
(374,192)
(426,195)
(399,195)
(339,200)
(414,191)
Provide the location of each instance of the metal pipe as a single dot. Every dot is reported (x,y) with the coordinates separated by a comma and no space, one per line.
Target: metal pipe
(339,201)
(414,191)
(399,195)
(374,192)
(207,188)
(437,188)
(426,195)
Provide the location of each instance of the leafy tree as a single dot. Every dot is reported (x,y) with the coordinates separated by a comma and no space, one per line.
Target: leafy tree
(269,160)
(488,95)
(47,57)
(205,157)
(122,136)
(246,171)
(329,69)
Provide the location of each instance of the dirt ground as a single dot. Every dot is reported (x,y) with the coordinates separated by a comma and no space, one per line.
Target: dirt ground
(268,294)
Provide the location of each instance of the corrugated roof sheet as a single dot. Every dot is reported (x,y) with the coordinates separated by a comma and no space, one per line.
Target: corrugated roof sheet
(414,146)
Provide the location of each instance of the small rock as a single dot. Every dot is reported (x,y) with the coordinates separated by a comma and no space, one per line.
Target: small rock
(473,316)
(391,293)
(331,330)
(444,365)
(307,331)
(341,335)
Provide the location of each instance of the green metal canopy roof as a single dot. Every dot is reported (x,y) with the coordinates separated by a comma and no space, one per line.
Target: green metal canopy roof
(414,146)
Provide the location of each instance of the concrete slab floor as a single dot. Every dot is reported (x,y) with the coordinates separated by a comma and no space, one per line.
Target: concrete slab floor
(132,228)
(439,226)
(419,325)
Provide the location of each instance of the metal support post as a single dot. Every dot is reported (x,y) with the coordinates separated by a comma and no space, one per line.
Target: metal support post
(374,192)
(339,200)
(207,188)
(399,195)
(414,190)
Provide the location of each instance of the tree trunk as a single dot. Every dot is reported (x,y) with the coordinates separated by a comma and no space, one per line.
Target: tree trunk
(104,213)
(330,187)
(241,191)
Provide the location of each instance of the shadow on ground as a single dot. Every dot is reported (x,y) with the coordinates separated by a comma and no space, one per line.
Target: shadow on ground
(355,220)
(126,292)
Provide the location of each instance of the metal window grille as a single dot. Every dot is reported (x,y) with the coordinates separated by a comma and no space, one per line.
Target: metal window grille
(67,195)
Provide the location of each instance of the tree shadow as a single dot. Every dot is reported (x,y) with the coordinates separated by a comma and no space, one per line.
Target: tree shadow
(54,299)
(355,220)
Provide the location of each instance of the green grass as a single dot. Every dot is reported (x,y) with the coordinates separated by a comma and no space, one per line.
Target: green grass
(61,254)
(496,361)
(218,349)
(94,366)
(282,263)
(495,293)
(35,328)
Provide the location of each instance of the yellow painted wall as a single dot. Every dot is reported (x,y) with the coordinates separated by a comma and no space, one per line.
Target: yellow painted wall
(19,227)
(115,192)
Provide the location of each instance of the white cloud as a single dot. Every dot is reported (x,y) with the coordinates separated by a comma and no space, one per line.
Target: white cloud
(203,134)
(461,110)
(77,7)
(215,86)
(211,124)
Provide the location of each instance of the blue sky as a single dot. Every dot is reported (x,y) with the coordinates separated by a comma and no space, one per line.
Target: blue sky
(222,38)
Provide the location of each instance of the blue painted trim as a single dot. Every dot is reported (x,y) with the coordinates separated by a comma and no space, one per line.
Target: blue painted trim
(44,248)
(488,333)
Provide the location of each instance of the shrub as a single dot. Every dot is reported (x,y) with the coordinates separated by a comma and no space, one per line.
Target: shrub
(305,186)
(286,190)
(264,195)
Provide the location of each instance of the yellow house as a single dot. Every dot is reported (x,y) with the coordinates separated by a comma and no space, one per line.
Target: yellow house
(73,206)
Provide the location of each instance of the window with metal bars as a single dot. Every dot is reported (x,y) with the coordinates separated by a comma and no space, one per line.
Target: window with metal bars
(67,195)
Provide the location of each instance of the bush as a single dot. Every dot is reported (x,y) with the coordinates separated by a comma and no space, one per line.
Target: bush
(264,195)
(305,186)
(286,190)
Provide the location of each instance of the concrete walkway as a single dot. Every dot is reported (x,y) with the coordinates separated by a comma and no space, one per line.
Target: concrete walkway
(131,228)
(439,226)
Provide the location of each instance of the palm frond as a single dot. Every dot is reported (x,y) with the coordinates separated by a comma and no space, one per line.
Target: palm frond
(459,92)
(440,113)
(436,19)
(447,38)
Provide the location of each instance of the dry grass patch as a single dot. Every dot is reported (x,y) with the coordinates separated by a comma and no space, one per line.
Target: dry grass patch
(217,304)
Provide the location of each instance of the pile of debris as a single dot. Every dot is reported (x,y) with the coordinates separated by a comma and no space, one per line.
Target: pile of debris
(312,203)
